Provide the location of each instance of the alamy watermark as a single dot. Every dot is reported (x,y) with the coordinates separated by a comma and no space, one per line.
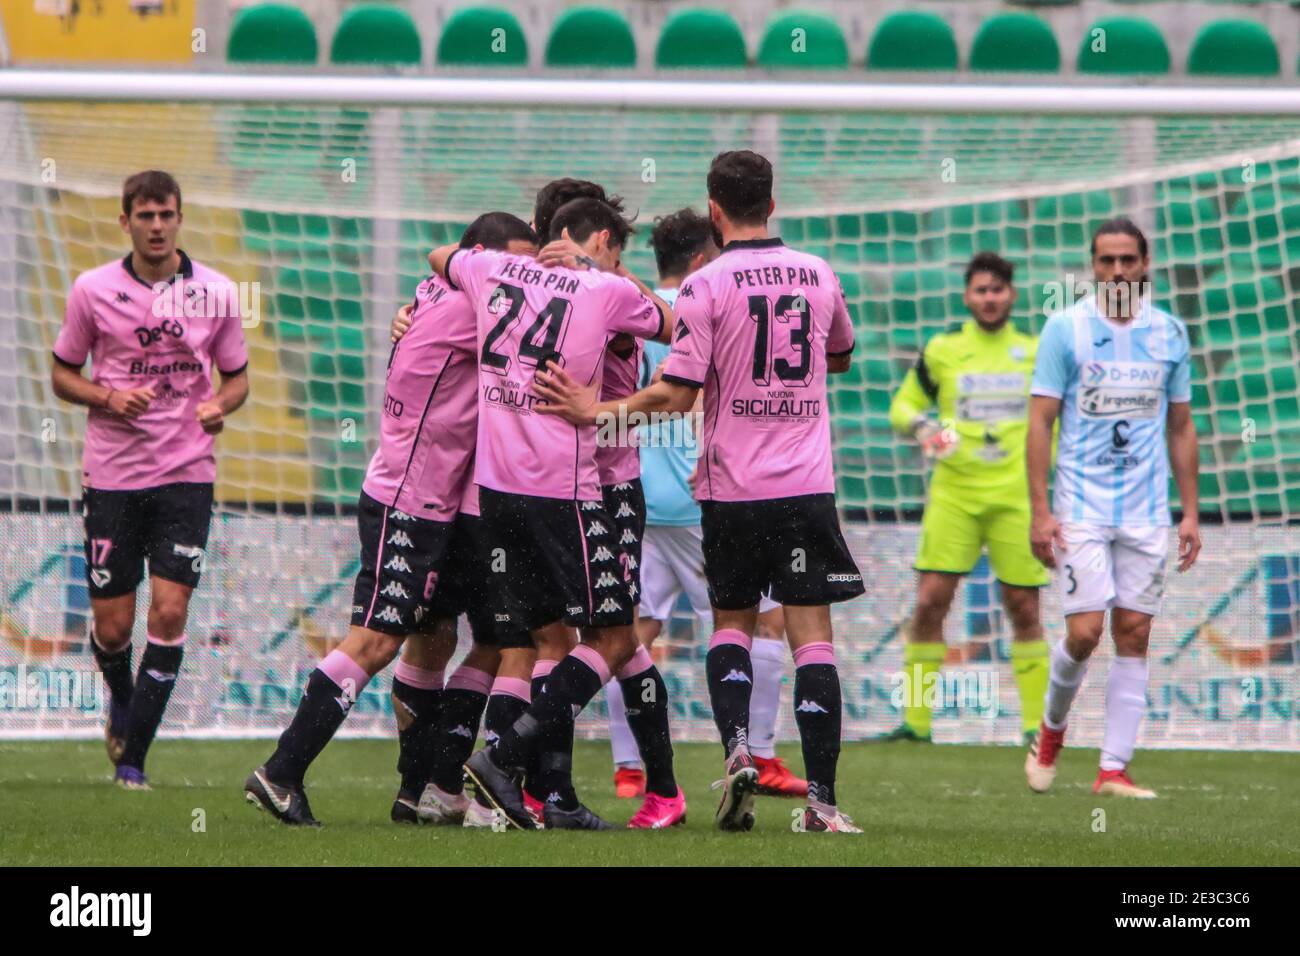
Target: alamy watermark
(974,690)
(50,688)
(1113,298)
(648,429)
(208,300)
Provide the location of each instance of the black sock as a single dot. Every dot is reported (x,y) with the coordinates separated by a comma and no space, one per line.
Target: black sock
(417,711)
(646,697)
(320,714)
(453,736)
(159,665)
(817,711)
(533,765)
(571,685)
(731,680)
(116,668)
(555,764)
(502,711)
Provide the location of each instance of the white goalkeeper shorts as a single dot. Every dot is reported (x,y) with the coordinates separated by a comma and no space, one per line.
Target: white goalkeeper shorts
(1102,568)
(672,561)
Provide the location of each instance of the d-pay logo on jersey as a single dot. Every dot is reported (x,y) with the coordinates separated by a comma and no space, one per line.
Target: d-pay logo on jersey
(1125,374)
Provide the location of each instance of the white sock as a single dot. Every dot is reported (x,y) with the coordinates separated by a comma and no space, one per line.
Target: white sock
(1126,703)
(768,659)
(626,752)
(1063,683)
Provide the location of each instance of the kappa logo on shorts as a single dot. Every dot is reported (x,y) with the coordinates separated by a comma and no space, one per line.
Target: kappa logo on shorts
(397,563)
(632,564)
(574,610)
(632,590)
(389,614)
(400,515)
(623,486)
(608,606)
(595,528)
(629,537)
(187,550)
(606,580)
(357,609)
(602,554)
(842,578)
(419,613)
(625,511)
(394,589)
(460,730)
(100,576)
(590,505)
(502,618)
(401,539)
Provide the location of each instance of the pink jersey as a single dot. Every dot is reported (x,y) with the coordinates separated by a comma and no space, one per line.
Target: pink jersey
(469,493)
(753,328)
(426,435)
(526,313)
(170,340)
(619,461)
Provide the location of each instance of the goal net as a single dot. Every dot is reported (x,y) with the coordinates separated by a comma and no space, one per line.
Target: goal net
(324,211)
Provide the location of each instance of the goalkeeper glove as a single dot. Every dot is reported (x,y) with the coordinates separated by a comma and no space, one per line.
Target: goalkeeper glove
(937,441)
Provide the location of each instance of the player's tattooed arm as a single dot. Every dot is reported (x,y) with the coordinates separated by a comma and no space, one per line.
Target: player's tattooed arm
(1045,530)
(665,310)
(1180,434)
(577,403)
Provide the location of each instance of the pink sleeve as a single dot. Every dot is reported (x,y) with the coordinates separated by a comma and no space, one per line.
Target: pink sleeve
(692,350)
(466,269)
(632,312)
(77,336)
(840,339)
(229,350)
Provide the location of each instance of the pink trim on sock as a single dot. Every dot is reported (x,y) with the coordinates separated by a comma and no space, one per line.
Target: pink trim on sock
(729,635)
(543,668)
(641,661)
(338,667)
(591,657)
(420,677)
(158,640)
(513,687)
(818,652)
(470,678)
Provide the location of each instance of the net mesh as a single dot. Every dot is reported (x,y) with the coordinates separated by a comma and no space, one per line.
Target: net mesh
(328,212)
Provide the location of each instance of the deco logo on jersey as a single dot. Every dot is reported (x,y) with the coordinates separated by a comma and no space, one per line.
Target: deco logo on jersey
(150,335)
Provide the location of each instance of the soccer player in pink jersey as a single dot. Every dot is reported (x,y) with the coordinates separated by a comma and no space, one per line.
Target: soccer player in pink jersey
(405,519)
(154,325)
(757,329)
(539,487)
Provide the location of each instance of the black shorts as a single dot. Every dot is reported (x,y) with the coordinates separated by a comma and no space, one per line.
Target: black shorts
(464,587)
(166,525)
(792,545)
(560,561)
(401,556)
(625,503)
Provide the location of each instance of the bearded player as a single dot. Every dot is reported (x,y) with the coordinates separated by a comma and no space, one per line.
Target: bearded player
(154,325)
(1116,370)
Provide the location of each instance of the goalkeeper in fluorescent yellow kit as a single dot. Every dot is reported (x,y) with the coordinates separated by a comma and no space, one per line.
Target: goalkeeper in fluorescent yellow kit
(978,378)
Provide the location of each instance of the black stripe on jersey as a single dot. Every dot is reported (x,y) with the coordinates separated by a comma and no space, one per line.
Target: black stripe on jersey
(708,471)
(62,361)
(233,371)
(678,380)
(447,269)
(928,384)
(847,351)
(187,269)
(418,431)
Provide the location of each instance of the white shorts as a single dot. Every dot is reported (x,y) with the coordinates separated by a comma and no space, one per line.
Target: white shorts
(672,561)
(1102,568)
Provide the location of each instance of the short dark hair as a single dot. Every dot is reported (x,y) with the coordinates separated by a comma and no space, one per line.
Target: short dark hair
(990,262)
(740,181)
(152,185)
(677,238)
(582,217)
(1121,225)
(560,191)
(495,230)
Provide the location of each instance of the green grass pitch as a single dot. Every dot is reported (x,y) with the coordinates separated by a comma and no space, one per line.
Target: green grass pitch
(927,805)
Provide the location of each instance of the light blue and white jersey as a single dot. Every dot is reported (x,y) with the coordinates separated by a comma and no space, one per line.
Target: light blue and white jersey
(668,453)
(1115,382)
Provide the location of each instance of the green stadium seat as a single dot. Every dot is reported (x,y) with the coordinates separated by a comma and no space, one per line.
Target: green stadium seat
(1015,42)
(701,40)
(1233,48)
(912,40)
(803,41)
(374,33)
(1132,45)
(271,33)
(482,36)
(591,37)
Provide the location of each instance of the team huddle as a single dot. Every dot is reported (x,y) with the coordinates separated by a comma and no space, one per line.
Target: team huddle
(495,493)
